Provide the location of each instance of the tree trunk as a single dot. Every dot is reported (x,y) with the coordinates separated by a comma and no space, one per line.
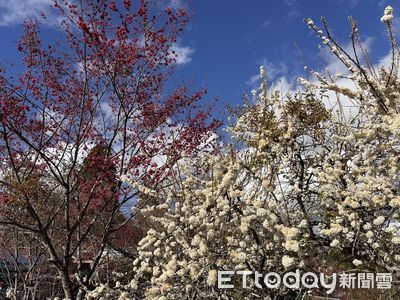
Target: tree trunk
(81,294)
(66,284)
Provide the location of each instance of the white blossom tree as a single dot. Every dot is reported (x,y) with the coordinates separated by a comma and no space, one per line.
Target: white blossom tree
(307,185)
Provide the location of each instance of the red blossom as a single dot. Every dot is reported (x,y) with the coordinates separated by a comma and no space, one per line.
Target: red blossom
(127,4)
(113,6)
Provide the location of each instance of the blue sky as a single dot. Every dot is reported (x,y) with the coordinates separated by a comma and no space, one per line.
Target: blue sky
(233,38)
(227,40)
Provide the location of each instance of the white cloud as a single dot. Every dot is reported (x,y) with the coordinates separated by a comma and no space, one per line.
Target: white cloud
(291,2)
(253,80)
(266,24)
(292,8)
(284,85)
(273,71)
(184,54)
(16,11)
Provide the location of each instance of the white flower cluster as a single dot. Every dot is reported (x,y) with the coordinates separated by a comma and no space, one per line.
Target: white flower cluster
(306,183)
(363,196)
(387,15)
(229,217)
